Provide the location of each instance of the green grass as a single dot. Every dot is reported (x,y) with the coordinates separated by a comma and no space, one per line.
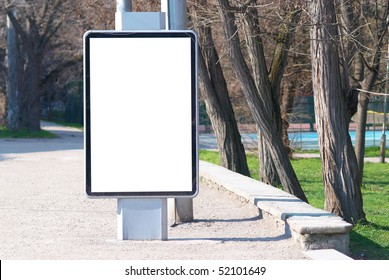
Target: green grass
(375,152)
(369,151)
(24,133)
(308,172)
(306,151)
(209,156)
(367,241)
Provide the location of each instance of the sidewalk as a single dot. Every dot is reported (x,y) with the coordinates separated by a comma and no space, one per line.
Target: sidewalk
(44,213)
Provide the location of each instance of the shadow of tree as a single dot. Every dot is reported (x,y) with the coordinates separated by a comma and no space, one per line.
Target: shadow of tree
(363,248)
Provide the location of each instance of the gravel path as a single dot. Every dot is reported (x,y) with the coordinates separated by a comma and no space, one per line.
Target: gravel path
(44,213)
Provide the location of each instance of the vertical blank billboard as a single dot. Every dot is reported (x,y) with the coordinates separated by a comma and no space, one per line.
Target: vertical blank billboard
(140,114)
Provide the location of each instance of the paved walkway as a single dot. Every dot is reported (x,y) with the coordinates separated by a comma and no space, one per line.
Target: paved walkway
(44,213)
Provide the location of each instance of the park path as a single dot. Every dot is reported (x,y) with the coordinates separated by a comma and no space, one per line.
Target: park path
(44,213)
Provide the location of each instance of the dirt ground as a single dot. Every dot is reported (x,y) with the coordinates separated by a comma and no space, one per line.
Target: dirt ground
(45,214)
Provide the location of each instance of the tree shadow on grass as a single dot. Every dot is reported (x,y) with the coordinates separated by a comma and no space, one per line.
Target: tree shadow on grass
(362,248)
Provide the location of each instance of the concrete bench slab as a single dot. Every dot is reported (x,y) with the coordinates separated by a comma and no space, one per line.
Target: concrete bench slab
(312,228)
(317,225)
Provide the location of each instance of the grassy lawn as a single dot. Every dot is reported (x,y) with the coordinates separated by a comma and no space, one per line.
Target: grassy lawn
(369,152)
(367,241)
(24,133)
(375,152)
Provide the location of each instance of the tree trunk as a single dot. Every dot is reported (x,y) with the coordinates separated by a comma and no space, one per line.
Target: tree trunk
(218,105)
(219,109)
(267,170)
(29,82)
(269,82)
(362,73)
(360,139)
(33,94)
(260,101)
(13,77)
(339,165)
(286,107)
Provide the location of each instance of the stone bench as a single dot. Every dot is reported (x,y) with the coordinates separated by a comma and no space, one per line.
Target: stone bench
(312,228)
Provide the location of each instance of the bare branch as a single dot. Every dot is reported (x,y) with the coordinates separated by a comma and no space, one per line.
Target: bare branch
(3,68)
(60,67)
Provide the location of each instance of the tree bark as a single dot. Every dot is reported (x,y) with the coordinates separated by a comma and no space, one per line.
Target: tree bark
(14,69)
(33,94)
(286,107)
(339,165)
(219,109)
(360,139)
(283,101)
(267,170)
(258,95)
(214,88)
(28,83)
(271,80)
(362,74)
(35,38)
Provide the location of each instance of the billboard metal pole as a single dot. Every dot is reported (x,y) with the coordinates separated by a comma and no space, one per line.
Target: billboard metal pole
(124,6)
(176,14)
(180,209)
(139,218)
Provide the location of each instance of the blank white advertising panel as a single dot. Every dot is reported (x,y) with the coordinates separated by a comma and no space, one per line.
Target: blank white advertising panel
(140,113)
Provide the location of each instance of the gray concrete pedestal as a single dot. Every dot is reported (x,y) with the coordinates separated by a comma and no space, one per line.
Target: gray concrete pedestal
(142,219)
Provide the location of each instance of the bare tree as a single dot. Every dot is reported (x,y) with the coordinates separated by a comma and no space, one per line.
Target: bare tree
(215,92)
(339,165)
(15,97)
(36,25)
(363,26)
(257,88)
(289,13)
(49,34)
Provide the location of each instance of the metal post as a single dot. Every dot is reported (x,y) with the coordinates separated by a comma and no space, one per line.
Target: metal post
(139,218)
(123,6)
(176,14)
(180,209)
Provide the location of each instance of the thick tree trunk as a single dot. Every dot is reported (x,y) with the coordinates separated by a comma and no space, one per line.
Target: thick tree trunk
(219,109)
(363,104)
(29,82)
(267,170)
(259,99)
(33,94)
(286,107)
(218,105)
(362,73)
(13,77)
(360,139)
(270,81)
(342,193)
